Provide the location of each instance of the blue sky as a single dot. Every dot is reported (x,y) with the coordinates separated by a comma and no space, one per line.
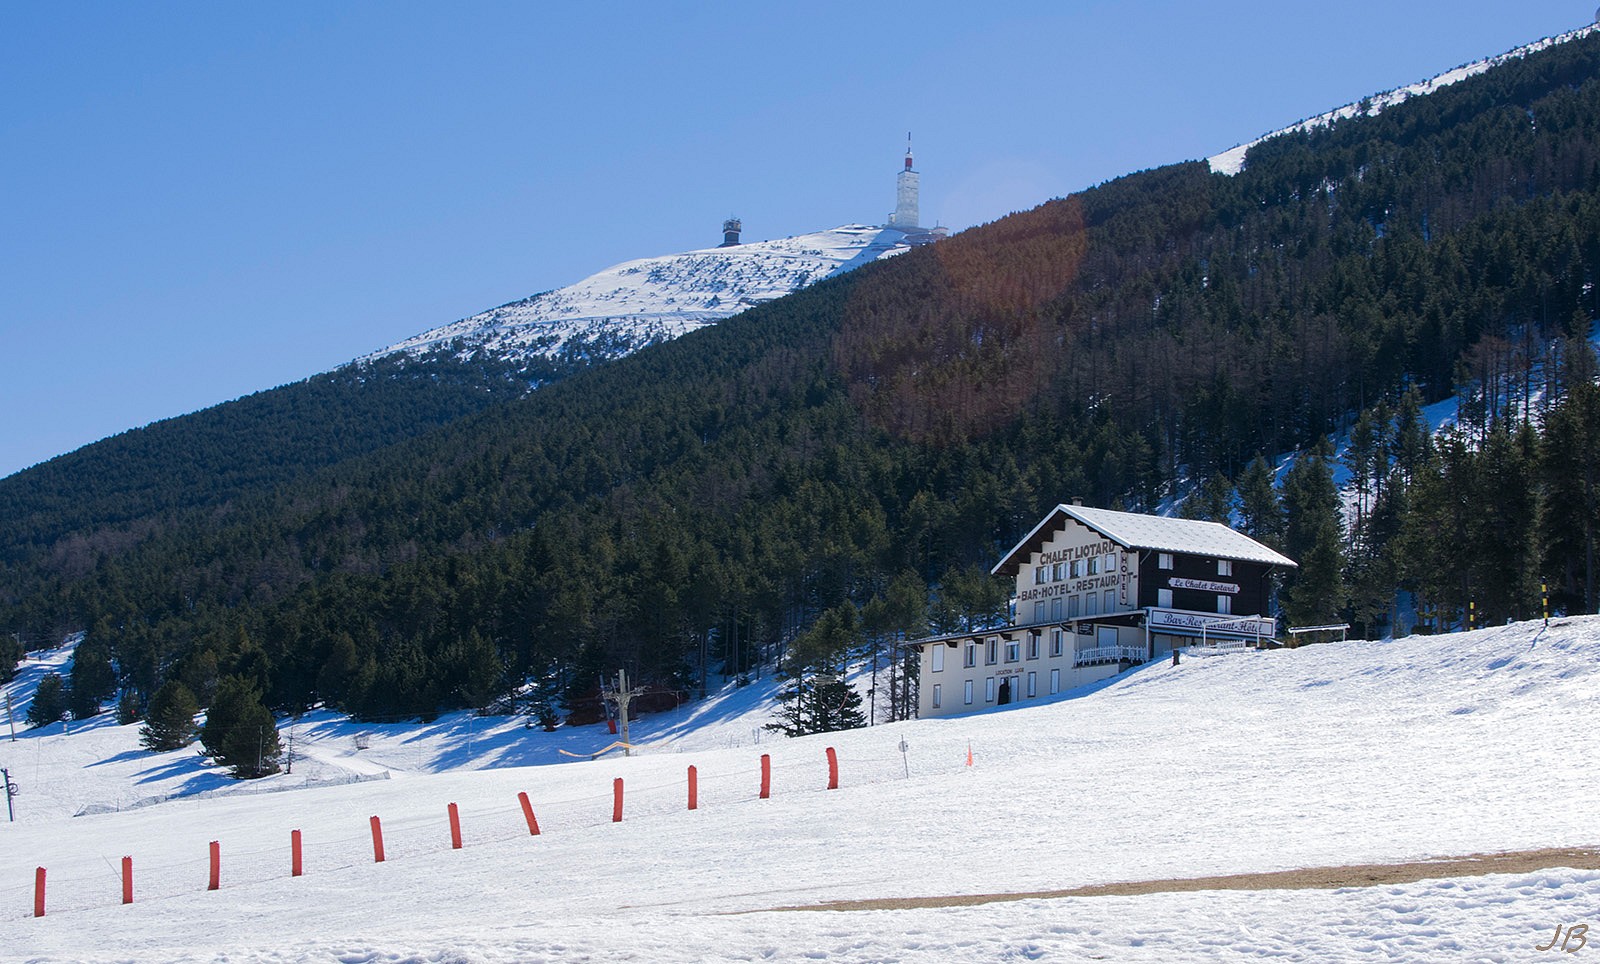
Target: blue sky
(204,200)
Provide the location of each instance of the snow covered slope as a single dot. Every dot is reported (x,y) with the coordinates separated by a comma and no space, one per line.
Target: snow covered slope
(1364,752)
(637,303)
(1231,162)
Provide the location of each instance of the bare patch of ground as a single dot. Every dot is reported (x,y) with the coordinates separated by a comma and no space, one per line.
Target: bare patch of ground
(1307,878)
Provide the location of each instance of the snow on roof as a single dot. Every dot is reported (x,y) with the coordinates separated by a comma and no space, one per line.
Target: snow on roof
(1133,530)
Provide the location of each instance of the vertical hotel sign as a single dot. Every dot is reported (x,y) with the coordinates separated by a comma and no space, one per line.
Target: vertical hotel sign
(1126,579)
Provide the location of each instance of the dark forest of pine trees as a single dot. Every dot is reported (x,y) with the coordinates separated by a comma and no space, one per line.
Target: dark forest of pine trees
(830,472)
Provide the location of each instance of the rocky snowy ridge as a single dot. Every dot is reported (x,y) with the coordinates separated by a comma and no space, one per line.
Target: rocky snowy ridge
(1231,161)
(637,303)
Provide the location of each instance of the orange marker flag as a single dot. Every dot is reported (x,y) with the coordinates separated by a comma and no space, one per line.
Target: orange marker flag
(969,754)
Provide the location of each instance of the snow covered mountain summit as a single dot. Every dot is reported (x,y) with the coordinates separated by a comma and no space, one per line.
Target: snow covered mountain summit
(637,303)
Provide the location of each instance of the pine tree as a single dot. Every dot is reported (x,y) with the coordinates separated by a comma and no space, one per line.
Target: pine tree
(1570,470)
(1373,571)
(333,679)
(93,679)
(1435,539)
(239,732)
(968,597)
(49,701)
(1313,537)
(819,697)
(10,654)
(1502,554)
(169,724)
(1260,515)
(1364,459)
(128,708)
(1411,443)
(900,613)
(1211,501)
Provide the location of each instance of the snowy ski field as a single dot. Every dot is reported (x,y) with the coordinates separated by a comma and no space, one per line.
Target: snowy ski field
(1344,753)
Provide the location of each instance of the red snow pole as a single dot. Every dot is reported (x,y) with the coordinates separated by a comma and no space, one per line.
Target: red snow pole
(694,788)
(455,828)
(833,769)
(127,880)
(527,814)
(38,892)
(296,867)
(377,841)
(616,800)
(216,866)
(766,775)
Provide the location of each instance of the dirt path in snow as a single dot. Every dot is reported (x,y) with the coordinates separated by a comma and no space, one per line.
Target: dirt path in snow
(1308,878)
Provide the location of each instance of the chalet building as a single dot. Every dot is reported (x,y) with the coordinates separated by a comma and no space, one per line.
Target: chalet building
(1097,592)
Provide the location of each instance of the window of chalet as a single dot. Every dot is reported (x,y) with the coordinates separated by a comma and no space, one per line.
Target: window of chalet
(936,658)
(1164,560)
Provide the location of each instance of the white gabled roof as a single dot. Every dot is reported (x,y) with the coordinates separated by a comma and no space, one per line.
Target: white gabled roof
(1132,530)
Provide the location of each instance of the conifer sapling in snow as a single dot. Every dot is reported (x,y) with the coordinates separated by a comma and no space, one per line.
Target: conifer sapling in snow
(239,732)
(170,723)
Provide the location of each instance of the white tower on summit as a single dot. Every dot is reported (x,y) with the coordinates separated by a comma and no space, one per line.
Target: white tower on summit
(905,214)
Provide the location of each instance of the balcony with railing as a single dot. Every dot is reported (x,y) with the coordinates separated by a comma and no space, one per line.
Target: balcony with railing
(1102,655)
